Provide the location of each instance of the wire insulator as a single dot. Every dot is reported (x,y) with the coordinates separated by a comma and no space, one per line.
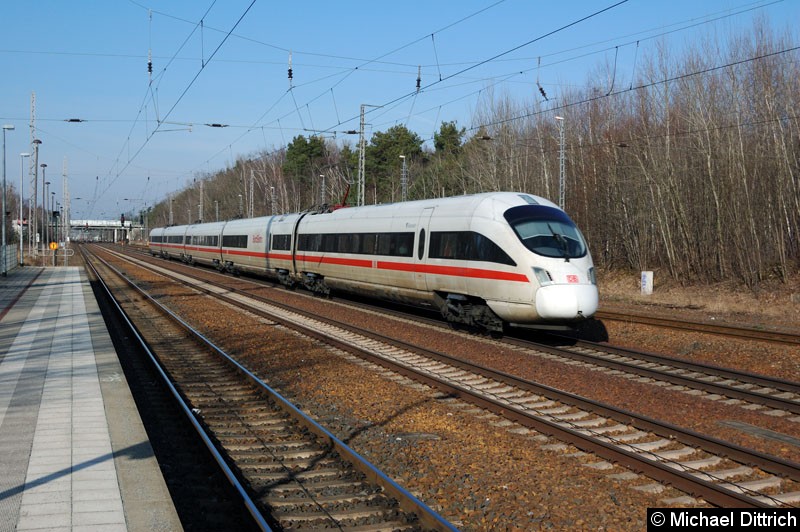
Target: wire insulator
(544,94)
(290,70)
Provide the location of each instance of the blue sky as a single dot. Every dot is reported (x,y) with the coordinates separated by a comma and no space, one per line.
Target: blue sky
(142,139)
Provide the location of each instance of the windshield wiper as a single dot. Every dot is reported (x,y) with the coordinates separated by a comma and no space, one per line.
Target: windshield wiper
(561,242)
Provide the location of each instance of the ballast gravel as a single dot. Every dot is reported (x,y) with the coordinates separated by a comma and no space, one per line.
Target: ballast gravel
(476,469)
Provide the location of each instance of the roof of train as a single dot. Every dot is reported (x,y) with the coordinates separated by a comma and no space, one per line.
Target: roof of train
(461,204)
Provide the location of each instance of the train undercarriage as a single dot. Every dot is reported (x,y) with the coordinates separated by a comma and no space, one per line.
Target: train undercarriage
(469,311)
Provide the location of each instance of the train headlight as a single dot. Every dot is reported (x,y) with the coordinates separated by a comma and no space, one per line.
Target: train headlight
(543,276)
(592,277)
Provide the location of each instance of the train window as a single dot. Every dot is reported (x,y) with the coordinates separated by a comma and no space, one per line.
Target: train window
(395,244)
(449,245)
(329,243)
(404,244)
(234,241)
(389,244)
(384,245)
(485,250)
(206,240)
(344,243)
(281,242)
(421,245)
(547,231)
(466,245)
(368,244)
(309,242)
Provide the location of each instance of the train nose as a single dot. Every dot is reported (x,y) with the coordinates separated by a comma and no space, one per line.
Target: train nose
(566,301)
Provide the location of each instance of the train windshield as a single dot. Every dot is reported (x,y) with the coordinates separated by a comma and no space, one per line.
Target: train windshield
(547,231)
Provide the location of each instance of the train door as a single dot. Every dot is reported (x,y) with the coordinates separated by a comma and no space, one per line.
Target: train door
(268,244)
(420,254)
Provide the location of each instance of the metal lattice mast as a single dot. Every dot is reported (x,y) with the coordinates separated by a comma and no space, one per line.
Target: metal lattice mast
(251,203)
(33,172)
(362,148)
(361,159)
(561,163)
(404,180)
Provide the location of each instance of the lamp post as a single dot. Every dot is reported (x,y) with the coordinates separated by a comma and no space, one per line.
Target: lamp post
(33,230)
(561,165)
(50,212)
(44,204)
(56,225)
(21,183)
(6,127)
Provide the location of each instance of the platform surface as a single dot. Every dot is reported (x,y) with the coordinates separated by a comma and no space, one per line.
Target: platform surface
(73,452)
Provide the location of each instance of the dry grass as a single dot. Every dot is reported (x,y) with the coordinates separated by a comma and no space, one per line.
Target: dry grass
(772,302)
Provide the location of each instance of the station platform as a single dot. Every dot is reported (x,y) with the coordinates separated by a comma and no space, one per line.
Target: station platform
(73,452)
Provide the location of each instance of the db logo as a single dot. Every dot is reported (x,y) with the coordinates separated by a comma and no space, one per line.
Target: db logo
(572,279)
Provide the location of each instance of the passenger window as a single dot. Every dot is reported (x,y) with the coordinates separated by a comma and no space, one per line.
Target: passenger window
(421,246)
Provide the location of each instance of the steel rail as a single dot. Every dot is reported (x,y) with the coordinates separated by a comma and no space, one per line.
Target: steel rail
(754,397)
(736,331)
(711,492)
(223,465)
(730,391)
(407,501)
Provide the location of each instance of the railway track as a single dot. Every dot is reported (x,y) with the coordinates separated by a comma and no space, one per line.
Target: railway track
(199,490)
(291,472)
(777,397)
(749,333)
(718,472)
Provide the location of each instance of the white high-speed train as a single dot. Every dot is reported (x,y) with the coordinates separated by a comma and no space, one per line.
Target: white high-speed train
(483,260)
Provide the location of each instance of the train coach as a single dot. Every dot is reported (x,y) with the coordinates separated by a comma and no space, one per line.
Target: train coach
(485,260)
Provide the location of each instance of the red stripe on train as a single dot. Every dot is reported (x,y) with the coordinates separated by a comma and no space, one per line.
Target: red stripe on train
(432,269)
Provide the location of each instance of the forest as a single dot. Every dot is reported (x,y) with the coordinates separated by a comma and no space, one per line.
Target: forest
(691,170)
